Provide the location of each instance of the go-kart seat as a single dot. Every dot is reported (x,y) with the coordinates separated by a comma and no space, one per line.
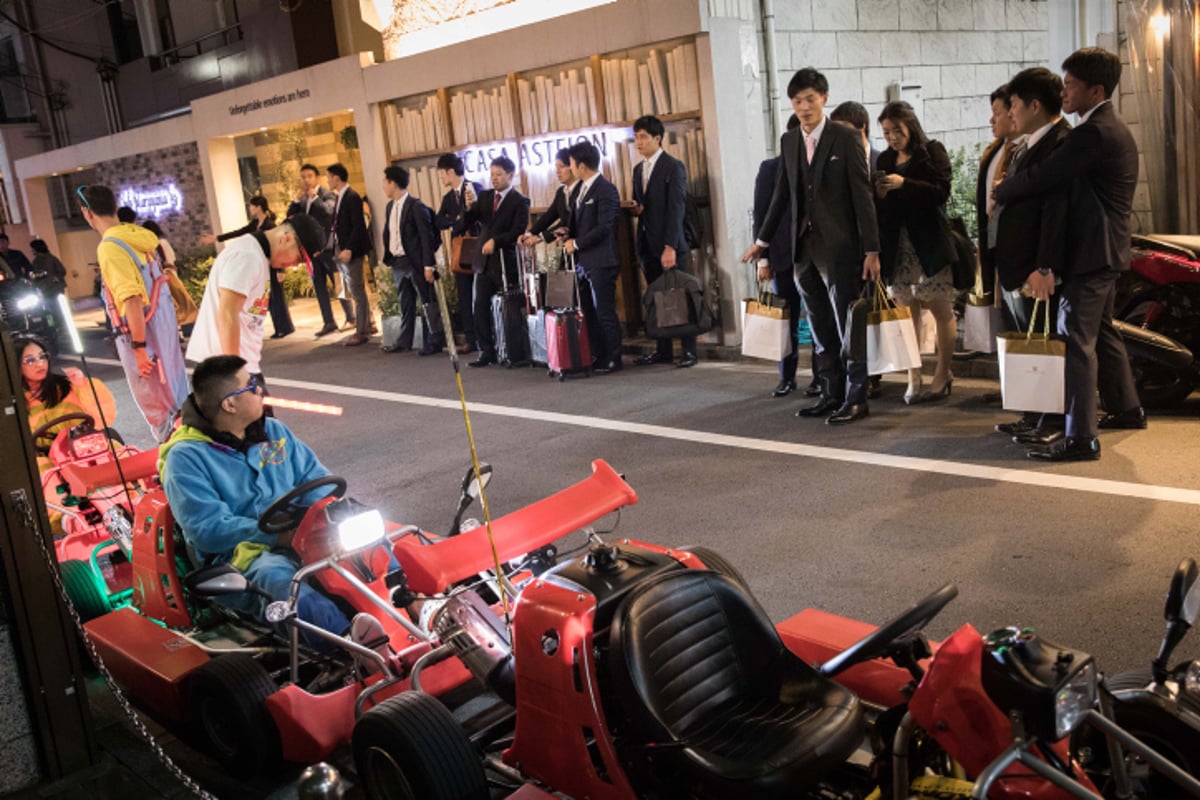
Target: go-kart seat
(713,694)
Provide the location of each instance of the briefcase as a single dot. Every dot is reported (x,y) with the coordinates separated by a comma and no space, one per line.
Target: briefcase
(464,251)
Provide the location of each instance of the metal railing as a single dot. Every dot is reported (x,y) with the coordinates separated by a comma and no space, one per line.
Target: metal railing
(196,47)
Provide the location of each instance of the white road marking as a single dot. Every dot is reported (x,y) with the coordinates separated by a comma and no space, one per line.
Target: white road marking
(957,469)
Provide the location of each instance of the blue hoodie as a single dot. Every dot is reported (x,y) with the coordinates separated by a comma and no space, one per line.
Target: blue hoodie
(218,486)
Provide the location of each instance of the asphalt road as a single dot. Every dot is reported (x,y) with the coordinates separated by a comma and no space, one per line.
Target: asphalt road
(864,521)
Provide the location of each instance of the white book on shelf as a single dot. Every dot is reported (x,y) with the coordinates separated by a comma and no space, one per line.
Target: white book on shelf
(606,84)
(390,125)
(589,86)
(644,90)
(456,125)
(658,81)
(577,112)
(633,100)
(471,134)
(673,68)
(506,112)
(691,71)
(581,102)
(501,130)
(616,84)
(527,123)
(543,107)
(482,125)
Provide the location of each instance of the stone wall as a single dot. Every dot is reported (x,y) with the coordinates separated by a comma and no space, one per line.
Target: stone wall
(152,174)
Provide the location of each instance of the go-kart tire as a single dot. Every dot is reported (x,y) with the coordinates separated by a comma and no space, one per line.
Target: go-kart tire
(410,747)
(1177,741)
(718,563)
(84,589)
(226,700)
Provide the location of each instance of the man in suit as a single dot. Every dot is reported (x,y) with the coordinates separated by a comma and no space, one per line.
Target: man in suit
(592,240)
(825,188)
(317,201)
(1028,235)
(1098,161)
(659,197)
(351,243)
(460,195)
(408,248)
(556,219)
(503,215)
(993,166)
(775,265)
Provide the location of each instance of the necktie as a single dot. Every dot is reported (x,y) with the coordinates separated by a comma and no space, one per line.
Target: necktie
(496,202)
(1006,160)
(810,146)
(397,242)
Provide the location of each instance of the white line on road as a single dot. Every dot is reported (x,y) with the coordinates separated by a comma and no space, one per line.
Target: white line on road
(958,469)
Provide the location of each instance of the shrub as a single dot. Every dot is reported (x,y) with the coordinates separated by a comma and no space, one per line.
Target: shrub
(296,283)
(964,167)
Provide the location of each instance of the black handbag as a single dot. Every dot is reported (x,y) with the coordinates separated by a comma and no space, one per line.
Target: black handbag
(854,340)
(964,265)
(677,298)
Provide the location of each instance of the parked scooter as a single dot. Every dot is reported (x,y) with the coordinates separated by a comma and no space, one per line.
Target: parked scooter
(1158,315)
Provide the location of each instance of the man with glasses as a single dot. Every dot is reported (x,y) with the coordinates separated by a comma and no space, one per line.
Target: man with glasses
(237,294)
(140,310)
(222,468)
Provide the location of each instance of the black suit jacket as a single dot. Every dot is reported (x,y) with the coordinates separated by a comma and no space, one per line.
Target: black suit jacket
(1098,161)
(321,208)
(558,215)
(594,225)
(1032,232)
(416,235)
(987,259)
(915,206)
(503,227)
(661,222)
(350,225)
(779,249)
(453,208)
(830,202)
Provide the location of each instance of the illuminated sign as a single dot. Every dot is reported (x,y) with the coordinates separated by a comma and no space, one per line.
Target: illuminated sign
(536,155)
(154,202)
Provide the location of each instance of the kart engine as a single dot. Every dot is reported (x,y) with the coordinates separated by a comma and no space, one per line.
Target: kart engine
(480,639)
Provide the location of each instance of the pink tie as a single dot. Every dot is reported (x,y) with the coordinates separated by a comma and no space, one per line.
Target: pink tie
(810,144)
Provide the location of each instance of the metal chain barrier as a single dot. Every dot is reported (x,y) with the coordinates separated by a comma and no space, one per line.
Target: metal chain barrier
(21,505)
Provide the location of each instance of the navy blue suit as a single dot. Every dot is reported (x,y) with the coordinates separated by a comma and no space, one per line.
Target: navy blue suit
(594,229)
(408,270)
(449,215)
(320,208)
(661,225)
(502,226)
(779,255)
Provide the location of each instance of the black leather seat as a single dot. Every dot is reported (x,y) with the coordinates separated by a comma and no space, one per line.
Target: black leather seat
(715,699)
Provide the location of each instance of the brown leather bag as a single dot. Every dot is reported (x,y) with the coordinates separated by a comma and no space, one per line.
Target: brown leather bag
(463,252)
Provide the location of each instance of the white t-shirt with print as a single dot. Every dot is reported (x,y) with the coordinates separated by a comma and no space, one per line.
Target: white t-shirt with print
(241,267)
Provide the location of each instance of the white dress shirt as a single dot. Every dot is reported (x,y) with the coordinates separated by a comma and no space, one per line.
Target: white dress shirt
(396,246)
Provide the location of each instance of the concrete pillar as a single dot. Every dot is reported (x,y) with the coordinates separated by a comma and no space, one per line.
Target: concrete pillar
(147,20)
(40,217)
(222,182)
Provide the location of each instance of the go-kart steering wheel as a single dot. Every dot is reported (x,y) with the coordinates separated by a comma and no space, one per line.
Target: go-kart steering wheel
(877,643)
(285,513)
(44,432)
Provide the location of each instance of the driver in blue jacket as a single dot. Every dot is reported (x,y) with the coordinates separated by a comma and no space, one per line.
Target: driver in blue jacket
(222,468)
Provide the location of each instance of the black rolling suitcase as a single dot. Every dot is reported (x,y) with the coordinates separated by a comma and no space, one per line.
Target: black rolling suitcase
(509,322)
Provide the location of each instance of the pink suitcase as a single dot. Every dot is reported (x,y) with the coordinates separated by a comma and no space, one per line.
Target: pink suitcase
(567,349)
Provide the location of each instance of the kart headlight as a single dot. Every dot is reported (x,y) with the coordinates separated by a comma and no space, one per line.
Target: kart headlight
(1075,696)
(360,530)
(28,302)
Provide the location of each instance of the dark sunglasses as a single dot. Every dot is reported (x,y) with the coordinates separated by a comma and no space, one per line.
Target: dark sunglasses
(252,386)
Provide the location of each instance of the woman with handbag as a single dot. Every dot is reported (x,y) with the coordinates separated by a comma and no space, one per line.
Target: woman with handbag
(912,184)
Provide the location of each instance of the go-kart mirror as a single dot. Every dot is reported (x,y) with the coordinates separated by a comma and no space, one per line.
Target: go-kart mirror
(1181,611)
(217,580)
(472,490)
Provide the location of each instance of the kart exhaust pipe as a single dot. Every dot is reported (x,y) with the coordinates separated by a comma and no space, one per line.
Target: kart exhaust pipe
(480,640)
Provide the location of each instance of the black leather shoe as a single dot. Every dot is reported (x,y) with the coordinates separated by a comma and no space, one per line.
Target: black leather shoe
(1132,420)
(823,407)
(608,367)
(784,389)
(813,389)
(430,350)
(874,388)
(650,358)
(1037,436)
(394,348)
(328,329)
(279,335)
(1067,449)
(1020,426)
(688,360)
(850,412)
(483,361)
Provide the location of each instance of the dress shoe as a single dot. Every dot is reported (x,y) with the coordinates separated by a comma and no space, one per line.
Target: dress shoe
(813,389)
(688,360)
(650,358)
(327,329)
(850,412)
(1132,420)
(875,388)
(608,367)
(431,349)
(395,348)
(823,407)
(1067,449)
(1039,437)
(928,396)
(356,340)
(484,360)
(1019,426)
(348,325)
(784,388)
(280,335)
(465,348)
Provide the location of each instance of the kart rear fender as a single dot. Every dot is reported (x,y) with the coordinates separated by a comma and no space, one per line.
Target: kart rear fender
(434,568)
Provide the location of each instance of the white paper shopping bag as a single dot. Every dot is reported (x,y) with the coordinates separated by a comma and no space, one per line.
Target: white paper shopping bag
(1033,369)
(765,332)
(891,341)
(982,322)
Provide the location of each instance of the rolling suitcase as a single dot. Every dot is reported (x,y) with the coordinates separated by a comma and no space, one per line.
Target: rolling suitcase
(568,351)
(509,323)
(535,314)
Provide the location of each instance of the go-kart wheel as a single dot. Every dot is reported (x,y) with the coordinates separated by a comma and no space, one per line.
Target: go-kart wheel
(285,513)
(718,563)
(877,643)
(226,701)
(85,589)
(43,438)
(409,747)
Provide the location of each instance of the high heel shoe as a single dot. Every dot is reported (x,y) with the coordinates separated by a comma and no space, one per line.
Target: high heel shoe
(940,394)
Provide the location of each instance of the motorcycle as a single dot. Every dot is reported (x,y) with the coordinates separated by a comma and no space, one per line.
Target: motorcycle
(1158,316)
(24,308)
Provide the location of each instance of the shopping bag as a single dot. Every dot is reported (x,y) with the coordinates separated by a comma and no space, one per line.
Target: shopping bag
(560,289)
(766,328)
(854,337)
(1033,368)
(672,306)
(464,251)
(926,327)
(665,291)
(891,337)
(982,322)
